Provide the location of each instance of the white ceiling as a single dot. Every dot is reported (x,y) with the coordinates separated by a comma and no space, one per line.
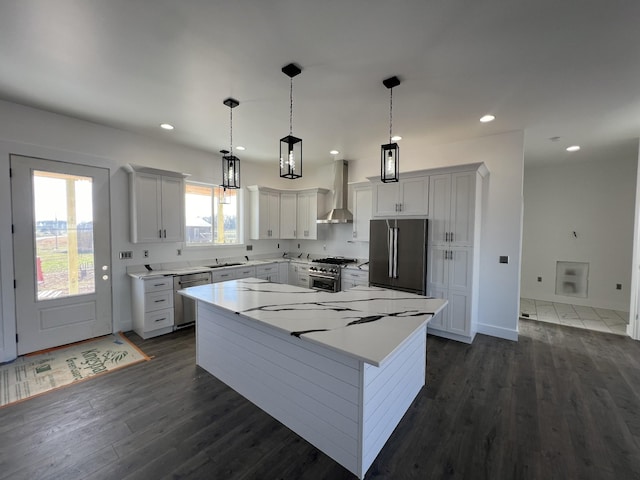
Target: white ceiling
(554,68)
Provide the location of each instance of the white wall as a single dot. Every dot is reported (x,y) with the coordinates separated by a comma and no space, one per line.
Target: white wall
(501,219)
(596,199)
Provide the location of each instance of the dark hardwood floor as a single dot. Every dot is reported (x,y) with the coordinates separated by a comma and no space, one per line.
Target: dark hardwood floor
(560,403)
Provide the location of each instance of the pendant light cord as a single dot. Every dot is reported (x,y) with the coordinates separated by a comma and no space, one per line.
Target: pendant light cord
(390,113)
(231,130)
(291,106)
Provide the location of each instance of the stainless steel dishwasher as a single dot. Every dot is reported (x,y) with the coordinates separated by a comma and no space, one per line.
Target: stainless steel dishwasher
(185,308)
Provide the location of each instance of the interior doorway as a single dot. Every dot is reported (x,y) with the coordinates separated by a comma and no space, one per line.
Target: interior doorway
(62,252)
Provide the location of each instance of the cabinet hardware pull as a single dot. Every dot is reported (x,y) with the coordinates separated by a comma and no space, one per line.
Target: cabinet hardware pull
(451,237)
(446,236)
(399,207)
(160,319)
(159,284)
(159,301)
(165,233)
(160,233)
(445,254)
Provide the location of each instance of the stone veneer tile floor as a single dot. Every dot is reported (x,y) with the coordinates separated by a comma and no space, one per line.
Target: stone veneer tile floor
(600,319)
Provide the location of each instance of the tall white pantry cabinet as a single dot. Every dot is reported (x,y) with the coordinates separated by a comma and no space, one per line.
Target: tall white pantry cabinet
(455,205)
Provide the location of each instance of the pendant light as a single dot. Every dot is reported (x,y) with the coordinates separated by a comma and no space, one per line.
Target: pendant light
(390,152)
(221,191)
(230,163)
(290,146)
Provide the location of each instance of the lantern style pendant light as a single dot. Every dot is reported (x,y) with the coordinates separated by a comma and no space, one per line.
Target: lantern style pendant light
(230,163)
(390,152)
(290,146)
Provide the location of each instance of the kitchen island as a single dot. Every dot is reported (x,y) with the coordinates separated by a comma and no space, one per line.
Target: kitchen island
(339,369)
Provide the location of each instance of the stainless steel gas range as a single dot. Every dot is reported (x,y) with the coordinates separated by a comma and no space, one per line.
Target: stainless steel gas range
(325,273)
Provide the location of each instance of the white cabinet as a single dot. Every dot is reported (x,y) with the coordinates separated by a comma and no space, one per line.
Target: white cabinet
(299,274)
(269,272)
(152,306)
(310,204)
(265,213)
(353,278)
(454,242)
(283,272)
(361,209)
(245,272)
(407,197)
(288,215)
(157,205)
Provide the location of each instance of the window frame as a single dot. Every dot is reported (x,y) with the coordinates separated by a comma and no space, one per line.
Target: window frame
(215,188)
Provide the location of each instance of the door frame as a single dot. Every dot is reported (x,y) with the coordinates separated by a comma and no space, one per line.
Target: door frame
(8,345)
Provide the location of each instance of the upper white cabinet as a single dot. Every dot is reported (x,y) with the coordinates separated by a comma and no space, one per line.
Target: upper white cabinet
(157,205)
(310,205)
(407,197)
(452,213)
(361,209)
(288,215)
(265,213)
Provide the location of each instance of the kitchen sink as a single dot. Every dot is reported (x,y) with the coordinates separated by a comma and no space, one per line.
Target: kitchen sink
(220,265)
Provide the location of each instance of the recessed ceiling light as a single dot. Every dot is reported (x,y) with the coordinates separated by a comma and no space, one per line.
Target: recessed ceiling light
(334,152)
(166,126)
(488,118)
(395,138)
(573,148)
(240,147)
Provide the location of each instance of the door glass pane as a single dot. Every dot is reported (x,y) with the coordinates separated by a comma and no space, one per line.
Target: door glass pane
(63,230)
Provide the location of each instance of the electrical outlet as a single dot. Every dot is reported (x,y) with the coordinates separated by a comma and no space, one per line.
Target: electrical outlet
(179,251)
(504,259)
(298,246)
(146,254)
(126,255)
(618,286)
(539,279)
(249,248)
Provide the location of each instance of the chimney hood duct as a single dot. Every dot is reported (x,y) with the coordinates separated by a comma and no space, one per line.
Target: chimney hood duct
(339,212)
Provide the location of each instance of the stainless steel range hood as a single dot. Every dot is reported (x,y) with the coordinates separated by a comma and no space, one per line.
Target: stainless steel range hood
(339,212)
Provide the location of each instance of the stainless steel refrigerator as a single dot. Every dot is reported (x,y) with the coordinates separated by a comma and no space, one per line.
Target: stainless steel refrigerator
(398,255)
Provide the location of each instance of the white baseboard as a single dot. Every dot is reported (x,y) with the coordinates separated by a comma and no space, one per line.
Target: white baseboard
(493,331)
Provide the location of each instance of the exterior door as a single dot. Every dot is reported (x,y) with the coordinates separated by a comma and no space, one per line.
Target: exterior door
(62,251)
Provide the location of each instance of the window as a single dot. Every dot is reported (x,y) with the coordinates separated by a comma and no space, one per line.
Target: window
(211,215)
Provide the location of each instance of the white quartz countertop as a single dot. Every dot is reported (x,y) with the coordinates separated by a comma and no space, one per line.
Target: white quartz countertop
(367,323)
(184,270)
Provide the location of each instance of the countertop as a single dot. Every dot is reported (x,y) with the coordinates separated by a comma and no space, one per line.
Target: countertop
(387,317)
(162,270)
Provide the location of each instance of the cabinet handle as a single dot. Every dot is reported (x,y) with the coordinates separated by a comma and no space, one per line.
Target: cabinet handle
(159,284)
(159,301)
(450,254)
(160,319)
(445,254)
(446,236)
(399,207)
(160,233)
(451,237)
(165,233)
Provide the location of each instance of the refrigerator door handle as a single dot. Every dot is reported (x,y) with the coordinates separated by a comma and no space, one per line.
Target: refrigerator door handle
(390,244)
(395,252)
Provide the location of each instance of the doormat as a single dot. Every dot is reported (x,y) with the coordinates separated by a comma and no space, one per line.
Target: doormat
(41,372)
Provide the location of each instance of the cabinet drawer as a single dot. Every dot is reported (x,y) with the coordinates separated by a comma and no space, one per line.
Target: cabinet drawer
(158,300)
(157,284)
(223,275)
(159,319)
(246,272)
(266,269)
(270,277)
(355,275)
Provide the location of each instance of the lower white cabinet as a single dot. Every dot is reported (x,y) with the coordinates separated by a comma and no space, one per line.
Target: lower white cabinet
(269,272)
(245,272)
(152,306)
(354,278)
(299,274)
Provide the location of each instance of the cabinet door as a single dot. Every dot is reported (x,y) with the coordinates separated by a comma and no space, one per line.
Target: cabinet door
(303,215)
(172,206)
(262,215)
(414,199)
(385,199)
(438,267)
(439,208)
(361,213)
(288,216)
(441,320)
(459,313)
(460,266)
(274,215)
(146,222)
(463,188)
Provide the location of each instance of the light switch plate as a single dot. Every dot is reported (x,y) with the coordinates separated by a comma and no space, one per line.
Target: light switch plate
(504,259)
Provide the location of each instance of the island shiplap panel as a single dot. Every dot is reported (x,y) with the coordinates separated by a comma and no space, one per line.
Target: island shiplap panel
(388,392)
(240,355)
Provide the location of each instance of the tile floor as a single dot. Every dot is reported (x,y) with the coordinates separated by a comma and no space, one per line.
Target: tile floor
(600,319)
